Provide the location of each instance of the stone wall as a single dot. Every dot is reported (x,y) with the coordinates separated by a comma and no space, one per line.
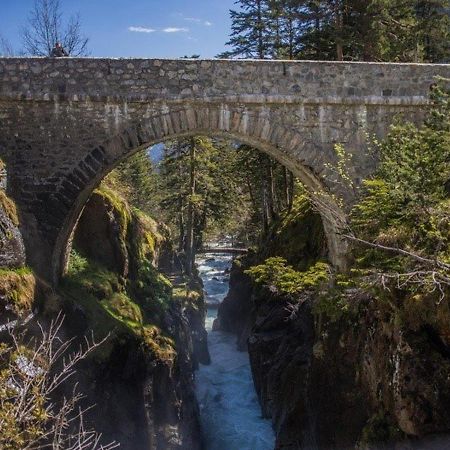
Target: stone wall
(65,123)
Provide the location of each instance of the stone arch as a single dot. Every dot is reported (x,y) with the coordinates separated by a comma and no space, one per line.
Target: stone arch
(257,126)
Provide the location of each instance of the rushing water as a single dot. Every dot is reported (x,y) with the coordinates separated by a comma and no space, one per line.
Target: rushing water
(230,413)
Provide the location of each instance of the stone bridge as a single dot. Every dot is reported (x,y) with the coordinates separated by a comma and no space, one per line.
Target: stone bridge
(65,123)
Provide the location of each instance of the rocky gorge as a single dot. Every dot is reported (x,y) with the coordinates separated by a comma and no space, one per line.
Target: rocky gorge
(122,285)
(335,366)
(338,367)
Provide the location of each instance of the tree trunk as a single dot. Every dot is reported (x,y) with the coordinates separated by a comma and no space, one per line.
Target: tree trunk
(286,186)
(181,228)
(190,251)
(339,21)
(202,225)
(271,196)
(291,191)
(260,25)
(180,225)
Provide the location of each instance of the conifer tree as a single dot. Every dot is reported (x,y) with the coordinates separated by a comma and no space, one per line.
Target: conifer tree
(352,30)
(250,30)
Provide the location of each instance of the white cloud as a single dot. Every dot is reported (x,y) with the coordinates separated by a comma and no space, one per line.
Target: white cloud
(141,29)
(175,30)
(206,23)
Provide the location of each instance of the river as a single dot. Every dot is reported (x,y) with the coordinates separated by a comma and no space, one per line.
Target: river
(229,409)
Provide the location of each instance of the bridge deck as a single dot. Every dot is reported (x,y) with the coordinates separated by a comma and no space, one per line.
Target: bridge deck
(223,250)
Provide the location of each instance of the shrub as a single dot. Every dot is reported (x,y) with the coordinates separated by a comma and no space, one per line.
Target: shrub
(275,272)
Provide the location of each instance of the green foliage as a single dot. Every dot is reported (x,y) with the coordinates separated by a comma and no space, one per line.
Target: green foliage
(406,203)
(334,306)
(368,30)
(135,180)
(269,186)
(250,35)
(275,272)
(77,263)
(199,188)
(403,217)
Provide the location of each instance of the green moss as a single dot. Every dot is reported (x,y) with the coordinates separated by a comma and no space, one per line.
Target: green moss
(162,347)
(117,202)
(121,212)
(120,306)
(132,307)
(298,236)
(9,207)
(152,290)
(18,289)
(20,271)
(127,310)
(191,296)
(143,240)
(92,277)
(277,273)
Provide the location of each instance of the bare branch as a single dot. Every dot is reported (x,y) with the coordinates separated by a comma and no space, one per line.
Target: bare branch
(5,47)
(46,26)
(34,370)
(415,256)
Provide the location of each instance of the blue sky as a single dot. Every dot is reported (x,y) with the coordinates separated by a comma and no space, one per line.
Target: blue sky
(137,28)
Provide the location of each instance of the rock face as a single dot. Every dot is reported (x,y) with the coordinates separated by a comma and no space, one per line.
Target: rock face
(236,313)
(101,231)
(359,379)
(143,402)
(12,250)
(142,381)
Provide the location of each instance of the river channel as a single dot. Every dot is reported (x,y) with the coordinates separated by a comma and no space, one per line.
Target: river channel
(230,412)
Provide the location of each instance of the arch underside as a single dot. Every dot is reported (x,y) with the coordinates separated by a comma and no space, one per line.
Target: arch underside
(259,131)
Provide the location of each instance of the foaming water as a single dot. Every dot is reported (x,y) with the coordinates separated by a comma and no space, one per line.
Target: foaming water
(229,408)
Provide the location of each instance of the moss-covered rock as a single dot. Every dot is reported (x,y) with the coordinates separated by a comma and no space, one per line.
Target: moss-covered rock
(17,290)
(101,232)
(12,250)
(338,363)
(298,236)
(113,286)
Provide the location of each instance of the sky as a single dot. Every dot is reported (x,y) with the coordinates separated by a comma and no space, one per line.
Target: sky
(136,28)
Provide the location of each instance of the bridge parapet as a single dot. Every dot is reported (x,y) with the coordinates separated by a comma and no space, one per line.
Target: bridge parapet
(143,80)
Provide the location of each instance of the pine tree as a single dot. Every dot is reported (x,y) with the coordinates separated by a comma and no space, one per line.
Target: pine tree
(199,190)
(433,30)
(250,30)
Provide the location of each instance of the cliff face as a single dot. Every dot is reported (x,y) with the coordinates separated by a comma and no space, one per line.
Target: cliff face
(340,367)
(140,380)
(18,286)
(12,250)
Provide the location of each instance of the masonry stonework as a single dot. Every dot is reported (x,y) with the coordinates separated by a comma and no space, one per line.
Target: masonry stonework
(65,123)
